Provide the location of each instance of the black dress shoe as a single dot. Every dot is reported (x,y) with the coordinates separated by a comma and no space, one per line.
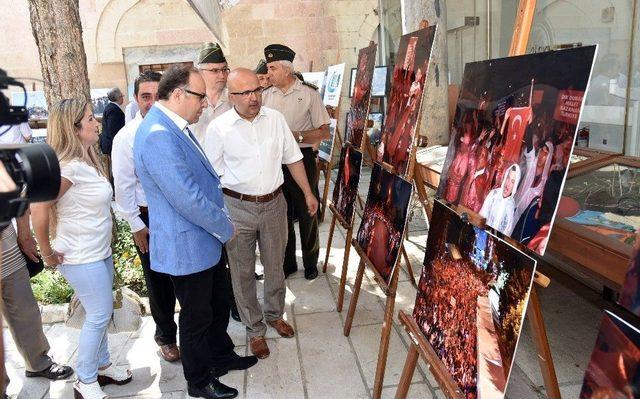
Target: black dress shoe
(214,390)
(54,372)
(311,274)
(234,313)
(287,273)
(236,363)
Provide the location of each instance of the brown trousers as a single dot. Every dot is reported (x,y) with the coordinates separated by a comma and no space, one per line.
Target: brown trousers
(22,316)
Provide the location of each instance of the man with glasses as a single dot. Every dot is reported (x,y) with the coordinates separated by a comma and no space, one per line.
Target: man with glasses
(249,146)
(308,120)
(190,224)
(132,207)
(213,67)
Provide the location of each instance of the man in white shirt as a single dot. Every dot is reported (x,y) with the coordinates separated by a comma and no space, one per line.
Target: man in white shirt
(132,207)
(214,69)
(15,134)
(247,146)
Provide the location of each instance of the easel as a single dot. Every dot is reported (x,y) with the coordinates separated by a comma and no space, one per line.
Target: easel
(348,226)
(419,346)
(326,166)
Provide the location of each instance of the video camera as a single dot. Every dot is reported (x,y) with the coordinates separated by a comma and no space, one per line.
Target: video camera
(34,168)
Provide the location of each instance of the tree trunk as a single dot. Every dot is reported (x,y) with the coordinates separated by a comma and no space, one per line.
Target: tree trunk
(57,29)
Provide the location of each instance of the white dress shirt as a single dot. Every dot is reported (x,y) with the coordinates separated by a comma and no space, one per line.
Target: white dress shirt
(16,134)
(130,111)
(249,155)
(129,193)
(181,123)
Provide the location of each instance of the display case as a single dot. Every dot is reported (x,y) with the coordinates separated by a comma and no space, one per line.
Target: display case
(582,157)
(597,218)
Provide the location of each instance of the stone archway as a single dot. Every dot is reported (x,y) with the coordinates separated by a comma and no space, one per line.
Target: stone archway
(106,30)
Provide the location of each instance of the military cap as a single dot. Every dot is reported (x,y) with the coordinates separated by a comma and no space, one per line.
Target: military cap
(261,69)
(211,53)
(278,52)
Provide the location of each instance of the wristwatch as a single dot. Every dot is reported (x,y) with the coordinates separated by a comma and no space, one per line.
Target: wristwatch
(300,138)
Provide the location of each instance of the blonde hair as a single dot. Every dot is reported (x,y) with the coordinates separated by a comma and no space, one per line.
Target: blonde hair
(64,122)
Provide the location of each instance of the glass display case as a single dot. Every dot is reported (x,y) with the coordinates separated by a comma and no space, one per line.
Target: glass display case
(598,215)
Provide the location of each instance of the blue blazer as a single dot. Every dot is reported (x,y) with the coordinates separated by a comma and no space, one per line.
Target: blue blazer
(188,222)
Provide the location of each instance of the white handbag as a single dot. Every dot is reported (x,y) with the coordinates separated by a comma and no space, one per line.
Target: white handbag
(128,310)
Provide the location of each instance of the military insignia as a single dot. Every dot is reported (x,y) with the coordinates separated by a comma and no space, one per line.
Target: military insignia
(299,99)
(270,55)
(308,84)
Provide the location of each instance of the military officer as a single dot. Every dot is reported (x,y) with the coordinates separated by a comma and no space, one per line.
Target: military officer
(308,120)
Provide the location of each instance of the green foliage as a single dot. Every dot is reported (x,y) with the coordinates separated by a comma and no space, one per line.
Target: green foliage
(49,287)
(127,261)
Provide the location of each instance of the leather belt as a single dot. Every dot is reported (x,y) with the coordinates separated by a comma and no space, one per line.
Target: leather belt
(252,198)
(143,209)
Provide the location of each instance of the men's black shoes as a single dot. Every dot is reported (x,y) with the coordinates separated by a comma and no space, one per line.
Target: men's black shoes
(214,390)
(311,274)
(237,363)
(234,313)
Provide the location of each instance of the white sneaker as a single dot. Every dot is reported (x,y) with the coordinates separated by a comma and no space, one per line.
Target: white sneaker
(88,391)
(114,375)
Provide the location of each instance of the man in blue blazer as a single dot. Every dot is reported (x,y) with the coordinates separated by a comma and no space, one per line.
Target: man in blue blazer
(189,225)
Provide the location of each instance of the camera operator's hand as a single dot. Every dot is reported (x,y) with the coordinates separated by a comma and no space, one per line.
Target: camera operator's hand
(54,259)
(29,247)
(141,238)
(6,182)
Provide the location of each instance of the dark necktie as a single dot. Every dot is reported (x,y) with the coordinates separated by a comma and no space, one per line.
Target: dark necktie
(193,138)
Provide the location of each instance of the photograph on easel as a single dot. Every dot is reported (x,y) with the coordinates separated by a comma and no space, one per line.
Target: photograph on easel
(512,137)
(630,294)
(325,150)
(405,101)
(346,188)
(471,301)
(614,368)
(361,95)
(384,219)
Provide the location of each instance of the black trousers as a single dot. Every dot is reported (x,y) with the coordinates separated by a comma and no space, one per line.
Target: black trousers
(297,209)
(162,299)
(204,317)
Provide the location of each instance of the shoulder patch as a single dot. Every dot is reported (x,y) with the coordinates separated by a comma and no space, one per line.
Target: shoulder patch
(314,87)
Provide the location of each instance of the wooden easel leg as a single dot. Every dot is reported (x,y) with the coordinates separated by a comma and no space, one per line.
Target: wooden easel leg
(354,299)
(384,343)
(326,257)
(345,266)
(407,372)
(409,268)
(542,344)
(360,202)
(327,180)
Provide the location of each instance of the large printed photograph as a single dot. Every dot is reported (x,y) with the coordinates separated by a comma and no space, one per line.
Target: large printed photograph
(405,101)
(614,368)
(512,138)
(630,294)
(346,188)
(361,95)
(384,219)
(471,302)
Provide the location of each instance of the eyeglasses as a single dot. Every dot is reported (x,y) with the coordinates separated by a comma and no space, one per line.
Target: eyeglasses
(216,71)
(257,91)
(201,97)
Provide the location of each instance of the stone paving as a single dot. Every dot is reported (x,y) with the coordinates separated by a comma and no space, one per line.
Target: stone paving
(320,362)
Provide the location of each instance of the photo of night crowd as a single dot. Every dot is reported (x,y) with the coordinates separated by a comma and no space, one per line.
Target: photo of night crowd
(346,188)
(383,221)
(361,96)
(471,301)
(409,75)
(512,138)
(630,294)
(614,368)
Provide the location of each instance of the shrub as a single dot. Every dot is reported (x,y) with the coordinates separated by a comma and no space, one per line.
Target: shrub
(50,287)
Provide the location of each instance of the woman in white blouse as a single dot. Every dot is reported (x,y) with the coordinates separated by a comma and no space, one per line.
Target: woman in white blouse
(79,222)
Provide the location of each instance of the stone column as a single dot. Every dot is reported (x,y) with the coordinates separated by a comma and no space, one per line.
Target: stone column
(435,108)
